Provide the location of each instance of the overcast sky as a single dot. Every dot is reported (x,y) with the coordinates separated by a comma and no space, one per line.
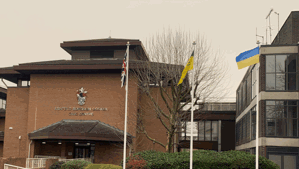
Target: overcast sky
(32,30)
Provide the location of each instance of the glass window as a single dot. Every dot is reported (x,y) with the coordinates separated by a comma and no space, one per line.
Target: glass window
(208,131)
(253,123)
(284,116)
(201,131)
(280,81)
(248,89)
(183,131)
(280,63)
(276,159)
(270,81)
(291,81)
(289,161)
(270,124)
(281,127)
(270,63)
(1,104)
(214,130)
(282,75)
(291,63)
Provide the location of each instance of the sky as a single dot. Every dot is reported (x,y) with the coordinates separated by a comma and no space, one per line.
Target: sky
(32,30)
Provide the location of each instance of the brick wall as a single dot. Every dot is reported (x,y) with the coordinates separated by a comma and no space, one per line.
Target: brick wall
(152,124)
(13,161)
(289,32)
(109,153)
(262,115)
(16,117)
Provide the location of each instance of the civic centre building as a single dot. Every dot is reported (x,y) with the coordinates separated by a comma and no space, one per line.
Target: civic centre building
(75,108)
(278,98)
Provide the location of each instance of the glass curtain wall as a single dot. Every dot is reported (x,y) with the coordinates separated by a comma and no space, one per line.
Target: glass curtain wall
(202,131)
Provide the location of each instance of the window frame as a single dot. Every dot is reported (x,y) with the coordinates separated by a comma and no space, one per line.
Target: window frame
(284,118)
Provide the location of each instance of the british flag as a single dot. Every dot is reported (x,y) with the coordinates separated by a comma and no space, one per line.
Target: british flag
(124,71)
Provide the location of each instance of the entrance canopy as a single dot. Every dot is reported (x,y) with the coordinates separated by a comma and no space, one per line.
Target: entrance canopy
(80,130)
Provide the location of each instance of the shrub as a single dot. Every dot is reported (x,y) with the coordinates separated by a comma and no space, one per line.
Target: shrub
(203,159)
(103,166)
(56,165)
(136,163)
(75,164)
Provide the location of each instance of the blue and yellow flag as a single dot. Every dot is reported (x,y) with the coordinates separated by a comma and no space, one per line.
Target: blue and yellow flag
(248,58)
(188,67)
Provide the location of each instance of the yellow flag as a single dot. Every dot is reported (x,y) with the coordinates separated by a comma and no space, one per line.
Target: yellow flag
(188,67)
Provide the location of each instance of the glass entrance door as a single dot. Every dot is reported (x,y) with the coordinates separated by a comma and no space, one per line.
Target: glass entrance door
(82,152)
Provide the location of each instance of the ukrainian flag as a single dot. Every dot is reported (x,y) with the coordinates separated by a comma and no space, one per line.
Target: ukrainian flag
(189,66)
(248,58)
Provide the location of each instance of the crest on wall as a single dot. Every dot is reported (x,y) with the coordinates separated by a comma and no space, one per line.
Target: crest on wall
(81,95)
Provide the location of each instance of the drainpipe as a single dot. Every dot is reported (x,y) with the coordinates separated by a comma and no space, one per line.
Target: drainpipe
(29,149)
(3,82)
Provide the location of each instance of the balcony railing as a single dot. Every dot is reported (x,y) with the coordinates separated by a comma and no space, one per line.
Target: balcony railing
(84,159)
(36,162)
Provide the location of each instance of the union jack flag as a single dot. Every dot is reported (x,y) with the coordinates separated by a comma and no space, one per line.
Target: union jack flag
(124,71)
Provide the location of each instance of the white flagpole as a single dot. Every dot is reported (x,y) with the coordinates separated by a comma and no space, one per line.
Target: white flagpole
(192,102)
(126,107)
(257,120)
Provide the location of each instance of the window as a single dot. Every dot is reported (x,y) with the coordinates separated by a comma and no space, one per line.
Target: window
(25,83)
(2,104)
(282,118)
(248,90)
(253,123)
(284,161)
(281,72)
(253,82)
(202,131)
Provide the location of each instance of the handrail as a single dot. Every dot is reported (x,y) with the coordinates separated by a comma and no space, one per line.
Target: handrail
(9,165)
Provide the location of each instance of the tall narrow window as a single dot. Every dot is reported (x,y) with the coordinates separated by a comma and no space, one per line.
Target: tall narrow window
(214,130)
(208,130)
(253,123)
(201,131)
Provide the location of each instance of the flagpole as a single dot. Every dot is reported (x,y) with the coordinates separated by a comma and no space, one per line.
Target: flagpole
(257,120)
(126,107)
(192,102)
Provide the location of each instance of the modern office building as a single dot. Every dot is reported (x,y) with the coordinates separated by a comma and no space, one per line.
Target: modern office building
(278,98)
(214,128)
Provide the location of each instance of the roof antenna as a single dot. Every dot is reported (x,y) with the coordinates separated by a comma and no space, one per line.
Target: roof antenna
(268,16)
(110,35)
(256,35)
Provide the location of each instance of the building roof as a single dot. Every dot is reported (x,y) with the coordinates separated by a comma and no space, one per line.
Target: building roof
(108,43)
(80,130)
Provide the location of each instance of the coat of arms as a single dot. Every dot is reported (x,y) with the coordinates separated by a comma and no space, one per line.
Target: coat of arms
(81,94)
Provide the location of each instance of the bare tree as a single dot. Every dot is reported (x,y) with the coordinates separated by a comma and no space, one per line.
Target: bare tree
(169,52)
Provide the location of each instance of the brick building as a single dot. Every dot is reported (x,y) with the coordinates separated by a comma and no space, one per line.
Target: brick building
(44,116)
(278,99)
